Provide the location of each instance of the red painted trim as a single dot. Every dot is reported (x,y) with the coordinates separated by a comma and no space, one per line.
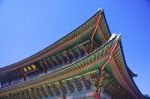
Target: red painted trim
(125,83)
(112,49)
(97,96)
(94,32)
(104,65)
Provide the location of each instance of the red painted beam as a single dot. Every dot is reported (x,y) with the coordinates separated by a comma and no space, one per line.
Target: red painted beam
(94,32)
(112,49)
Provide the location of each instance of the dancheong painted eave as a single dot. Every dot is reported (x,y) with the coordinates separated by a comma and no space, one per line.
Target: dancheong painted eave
(88,60)
(44,52)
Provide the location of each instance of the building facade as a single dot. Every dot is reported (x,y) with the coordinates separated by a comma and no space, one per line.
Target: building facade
(88,63)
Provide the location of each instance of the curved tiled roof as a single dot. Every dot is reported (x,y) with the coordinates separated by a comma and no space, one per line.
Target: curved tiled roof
(53,46)
(117,64)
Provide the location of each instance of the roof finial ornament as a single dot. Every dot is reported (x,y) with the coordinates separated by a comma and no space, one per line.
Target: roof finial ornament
(99,9)
(118,37)
(113,36)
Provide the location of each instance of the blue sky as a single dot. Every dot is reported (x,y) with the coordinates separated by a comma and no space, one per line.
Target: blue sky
(28,26)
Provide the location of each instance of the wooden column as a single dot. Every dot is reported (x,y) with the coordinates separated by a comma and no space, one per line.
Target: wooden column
(97,96)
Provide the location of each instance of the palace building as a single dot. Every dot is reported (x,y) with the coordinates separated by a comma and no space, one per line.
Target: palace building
(88,63)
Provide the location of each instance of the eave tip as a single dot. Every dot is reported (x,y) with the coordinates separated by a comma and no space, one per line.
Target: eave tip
(99,9)
(118,37)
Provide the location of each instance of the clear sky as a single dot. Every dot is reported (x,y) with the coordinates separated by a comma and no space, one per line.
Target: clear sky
(28,26)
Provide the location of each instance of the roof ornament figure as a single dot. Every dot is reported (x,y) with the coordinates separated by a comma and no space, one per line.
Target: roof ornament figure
(118,37)
(112,36)
(99,9)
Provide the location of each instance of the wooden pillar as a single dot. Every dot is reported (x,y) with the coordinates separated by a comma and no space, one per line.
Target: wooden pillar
(95,81)
(63,97)
(97,96)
